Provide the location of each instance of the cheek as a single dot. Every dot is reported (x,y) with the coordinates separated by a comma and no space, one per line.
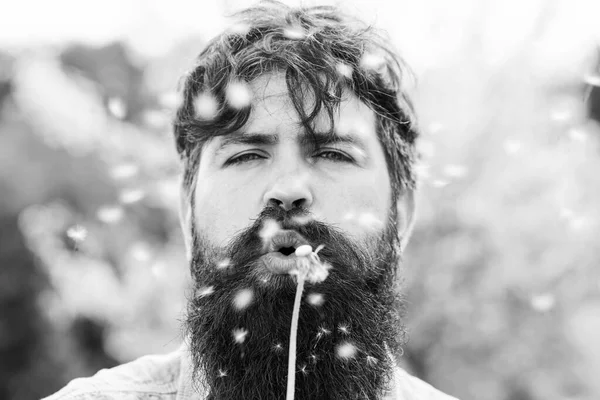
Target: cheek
(222,210)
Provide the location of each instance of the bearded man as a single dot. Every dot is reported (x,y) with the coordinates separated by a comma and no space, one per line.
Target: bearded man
(294,131)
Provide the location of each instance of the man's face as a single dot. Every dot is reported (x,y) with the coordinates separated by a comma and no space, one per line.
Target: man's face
(343,184)
(331,193)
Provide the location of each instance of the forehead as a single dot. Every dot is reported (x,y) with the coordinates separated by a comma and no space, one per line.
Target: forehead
(272,105)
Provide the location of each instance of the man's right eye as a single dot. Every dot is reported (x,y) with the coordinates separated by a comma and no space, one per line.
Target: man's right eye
(243,158)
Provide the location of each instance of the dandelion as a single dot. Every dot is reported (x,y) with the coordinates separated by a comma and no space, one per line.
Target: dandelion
(310,268)
(243,298)
(238,95)
(346,350)
(206,106)
(239,335)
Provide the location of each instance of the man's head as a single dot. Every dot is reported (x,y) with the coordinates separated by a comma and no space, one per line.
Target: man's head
(295,129)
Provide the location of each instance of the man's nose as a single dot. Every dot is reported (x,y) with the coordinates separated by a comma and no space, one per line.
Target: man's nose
(290,191)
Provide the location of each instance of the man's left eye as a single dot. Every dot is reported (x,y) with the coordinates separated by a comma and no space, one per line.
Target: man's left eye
(335,156)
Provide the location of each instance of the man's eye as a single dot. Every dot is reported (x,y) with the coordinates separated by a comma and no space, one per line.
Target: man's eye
(243,158)
(335,156)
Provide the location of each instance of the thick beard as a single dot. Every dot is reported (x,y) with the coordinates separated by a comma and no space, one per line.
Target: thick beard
(361,310)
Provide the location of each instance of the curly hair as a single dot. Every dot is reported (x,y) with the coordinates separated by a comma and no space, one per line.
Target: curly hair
(322,52)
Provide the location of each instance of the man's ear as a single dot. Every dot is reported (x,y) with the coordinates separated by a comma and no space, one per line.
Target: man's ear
(406,216)
(185,218)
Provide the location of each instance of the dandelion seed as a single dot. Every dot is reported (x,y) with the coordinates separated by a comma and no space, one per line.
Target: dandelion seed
(349,216)
(512,146)
(238,95)
(77,233)
(205,291)
(206,106)
(426,148)
(422,170)
(372,360)
(313,358)
(170,100)
(455,170)
(316,299)
(224,263)
(124,171)
(243,298)
(241,29)
(303,370)
(368,220)
(439,183)
(140,252)
(269,229)
(130,196)
(294,33)
(543,302)
(372,61)
(222,373)
(110,214)
(239,335)
(592,79)
(278,347)
(434,128)
(343,328)
(324,330)
(117,107)
(578,135)
(561,115)
(302,220)
(346,350)
(344,69)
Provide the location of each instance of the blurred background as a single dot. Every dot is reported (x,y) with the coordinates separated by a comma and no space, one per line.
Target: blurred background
(501,276)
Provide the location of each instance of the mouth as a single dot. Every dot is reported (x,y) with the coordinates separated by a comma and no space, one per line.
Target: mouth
(280,257)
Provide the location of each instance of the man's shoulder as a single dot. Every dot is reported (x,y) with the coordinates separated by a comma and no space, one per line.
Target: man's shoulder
(408,387)
(148,377)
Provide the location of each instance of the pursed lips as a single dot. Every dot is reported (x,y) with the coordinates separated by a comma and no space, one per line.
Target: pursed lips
(279,257)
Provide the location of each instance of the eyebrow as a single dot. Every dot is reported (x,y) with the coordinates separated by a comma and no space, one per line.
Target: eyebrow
(305,140)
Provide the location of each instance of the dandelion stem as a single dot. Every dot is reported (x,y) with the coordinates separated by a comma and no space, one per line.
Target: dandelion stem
(291,382)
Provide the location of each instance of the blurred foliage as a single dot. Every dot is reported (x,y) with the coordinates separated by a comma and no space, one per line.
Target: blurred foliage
(501,275)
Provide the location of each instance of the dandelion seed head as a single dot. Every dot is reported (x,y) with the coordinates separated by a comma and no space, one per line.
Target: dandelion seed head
(238,95)
(304,250)
(110,214)
(239,335)
(206,106)
(318,272)
(315,299)
(243,298)
(130,196)
(77,233)
(345,350)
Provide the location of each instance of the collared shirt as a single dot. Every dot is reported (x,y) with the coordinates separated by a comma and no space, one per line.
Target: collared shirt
(169,377)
